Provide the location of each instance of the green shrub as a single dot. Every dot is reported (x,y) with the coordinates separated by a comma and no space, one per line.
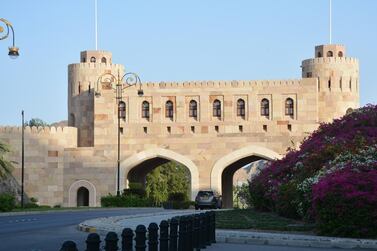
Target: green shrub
(176,204)
(7,202)
(44,206)
(30,205)
(33,200)
(131,200)
(57,206)
(286,204)
(258,198)
(177,196)
(135,189)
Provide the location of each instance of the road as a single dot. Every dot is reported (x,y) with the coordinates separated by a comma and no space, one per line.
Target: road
(47,231)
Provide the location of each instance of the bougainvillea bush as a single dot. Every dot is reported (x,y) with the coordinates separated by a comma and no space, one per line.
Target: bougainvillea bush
(345,203)
(291,186)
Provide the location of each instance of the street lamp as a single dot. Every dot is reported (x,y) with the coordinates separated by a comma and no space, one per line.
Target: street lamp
(118,84)
(13,51)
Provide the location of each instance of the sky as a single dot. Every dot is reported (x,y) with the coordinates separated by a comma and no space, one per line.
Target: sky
(170,40)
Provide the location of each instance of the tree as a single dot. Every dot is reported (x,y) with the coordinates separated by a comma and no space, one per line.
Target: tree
(156,188)
(168,178)
(36,122)
(5,166)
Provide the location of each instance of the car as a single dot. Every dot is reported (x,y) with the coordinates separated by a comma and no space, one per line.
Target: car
(208,199)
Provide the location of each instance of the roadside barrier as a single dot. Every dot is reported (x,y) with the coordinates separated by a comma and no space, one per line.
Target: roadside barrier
(187,233)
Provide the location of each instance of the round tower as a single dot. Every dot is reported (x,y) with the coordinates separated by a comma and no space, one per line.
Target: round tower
(82,84)
(338,80)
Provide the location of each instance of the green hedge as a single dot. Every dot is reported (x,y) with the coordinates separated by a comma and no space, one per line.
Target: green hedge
(177,196)
(7,202)
(176,204)
(125,201)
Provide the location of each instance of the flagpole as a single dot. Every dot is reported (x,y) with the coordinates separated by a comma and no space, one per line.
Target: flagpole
(330,21)
(96,23)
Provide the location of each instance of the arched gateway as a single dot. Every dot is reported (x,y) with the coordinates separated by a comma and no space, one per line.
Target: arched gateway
(149,159)
(224,169)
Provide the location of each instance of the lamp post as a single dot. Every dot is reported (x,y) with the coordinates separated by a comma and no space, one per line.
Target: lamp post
(13,50)
(22,159)
(119,84)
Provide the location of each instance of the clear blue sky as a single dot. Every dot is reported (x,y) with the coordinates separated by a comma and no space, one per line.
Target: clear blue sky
(175,41)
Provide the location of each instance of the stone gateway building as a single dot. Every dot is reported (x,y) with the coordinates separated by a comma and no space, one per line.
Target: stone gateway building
(211,127)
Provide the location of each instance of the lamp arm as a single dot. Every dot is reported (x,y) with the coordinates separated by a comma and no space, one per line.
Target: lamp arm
(130,79)
(7,24)
(111,79)
(13,36)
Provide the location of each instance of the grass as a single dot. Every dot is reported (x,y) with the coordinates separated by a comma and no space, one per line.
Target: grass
(251,219)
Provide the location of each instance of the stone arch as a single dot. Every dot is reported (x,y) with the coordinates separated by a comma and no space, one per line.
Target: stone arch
(255,152)
(140,157)
(73,189)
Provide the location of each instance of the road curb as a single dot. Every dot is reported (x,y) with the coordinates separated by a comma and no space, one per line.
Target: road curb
(292,240)
(87,229)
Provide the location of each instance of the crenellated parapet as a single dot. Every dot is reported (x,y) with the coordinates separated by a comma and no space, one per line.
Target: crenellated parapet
(64,137)
(39,129)
(334,60)
(221,84)
(90,66)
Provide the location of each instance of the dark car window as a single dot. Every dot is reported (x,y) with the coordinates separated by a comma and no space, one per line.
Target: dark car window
(205,193)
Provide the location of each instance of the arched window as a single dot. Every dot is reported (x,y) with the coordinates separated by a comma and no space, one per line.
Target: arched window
(103,60)
(122,110)
(319,54)
(216,108)
(193,109)
(92,59)
(241,108)
(340,54)
(265,107)
(330,54)
(169,109)
(289,107)
(145,110)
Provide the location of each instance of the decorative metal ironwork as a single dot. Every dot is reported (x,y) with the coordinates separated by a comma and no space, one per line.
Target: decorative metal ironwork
(118,84)
(13,50)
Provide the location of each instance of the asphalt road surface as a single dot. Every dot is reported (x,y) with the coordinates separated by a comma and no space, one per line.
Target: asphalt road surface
(47,231)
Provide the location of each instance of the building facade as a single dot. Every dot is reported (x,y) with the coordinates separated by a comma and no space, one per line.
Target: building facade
(211,127)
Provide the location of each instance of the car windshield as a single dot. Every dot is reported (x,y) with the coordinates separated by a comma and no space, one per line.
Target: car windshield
(205,193)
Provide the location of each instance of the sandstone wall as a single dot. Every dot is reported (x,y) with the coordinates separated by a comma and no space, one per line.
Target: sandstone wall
(44,159)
